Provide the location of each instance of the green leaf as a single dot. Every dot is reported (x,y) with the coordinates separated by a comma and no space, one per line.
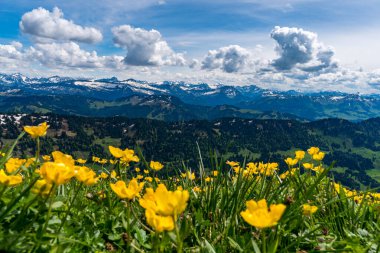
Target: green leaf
(57,205)
(234,244)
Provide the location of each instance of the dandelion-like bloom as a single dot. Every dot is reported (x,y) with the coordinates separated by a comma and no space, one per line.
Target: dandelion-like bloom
(300,155)
(260,216)
(313,150)
(291,162)
(155,165)
(308,209)
(232,164)
(86,175)
(163,206)
(46,157)
(9,180)
(159,223)
(60,171)
(81,161)
(319,156)
(42,187)
(57,173)
(125,156)
(14,164)
(130,192)
(164,202)
(37,131)
(308,166)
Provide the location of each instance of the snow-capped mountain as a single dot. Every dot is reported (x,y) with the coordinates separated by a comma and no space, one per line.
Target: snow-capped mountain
(304,105)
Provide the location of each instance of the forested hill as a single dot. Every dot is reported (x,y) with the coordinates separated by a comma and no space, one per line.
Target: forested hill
(354,146)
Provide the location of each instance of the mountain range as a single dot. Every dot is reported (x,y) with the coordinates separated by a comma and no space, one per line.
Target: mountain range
(176,100)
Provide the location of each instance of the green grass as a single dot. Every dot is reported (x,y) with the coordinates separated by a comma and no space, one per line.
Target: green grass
(77,217)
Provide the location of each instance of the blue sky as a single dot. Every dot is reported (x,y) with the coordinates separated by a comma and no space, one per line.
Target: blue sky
(295,44)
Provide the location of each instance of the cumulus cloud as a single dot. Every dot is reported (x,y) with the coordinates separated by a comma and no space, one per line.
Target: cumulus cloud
(145,48)
(45,25)
(63,55)
(229,59)
(11,51)
(298,48)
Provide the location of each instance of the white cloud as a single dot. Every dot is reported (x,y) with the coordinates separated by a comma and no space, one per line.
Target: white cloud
(63,55)
(11,51)
(145,48)
(45,25)
(230,59)
(298,48)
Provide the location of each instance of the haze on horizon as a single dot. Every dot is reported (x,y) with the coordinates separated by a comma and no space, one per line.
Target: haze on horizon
(296,44)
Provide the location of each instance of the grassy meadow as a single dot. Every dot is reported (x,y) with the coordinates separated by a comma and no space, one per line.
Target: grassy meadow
(61,203)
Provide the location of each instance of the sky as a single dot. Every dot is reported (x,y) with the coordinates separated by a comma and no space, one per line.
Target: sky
(306,45)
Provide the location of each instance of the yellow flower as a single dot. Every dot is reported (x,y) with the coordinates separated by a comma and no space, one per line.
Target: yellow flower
(164,202)
(313,150)
(146,171)
(103,175)
(37,131)
(260,216)
(102,194)
(60,171)
(300,154)
(137,170)
(155,165)
(208,179)
(149,179)
(188,175)
(215,173)
(46,158)
(308,209)
(42,187)
(14,164)
(318,169)
(60,157)
(197,189)
(81,161)
(95,159)
(10,180)
(86,175)
(113,174)
(159,223)
(126,156)
(2,153)
(291,162)
(139,177)
(29,162)
(232,163)
(308,166)
(124,192)
(319,156)
(103,161)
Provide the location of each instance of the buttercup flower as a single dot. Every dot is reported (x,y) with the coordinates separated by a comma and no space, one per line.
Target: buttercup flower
(37,131)
(159,223)
(308,209)
(42,187)
(126,155)
(313,150)
(291,162)
(260,216)
(155,165)
(164,202)
(130,192)
(86,175)
(14,164)
(300,154)
(9,180)
(81,161)
(319,156)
